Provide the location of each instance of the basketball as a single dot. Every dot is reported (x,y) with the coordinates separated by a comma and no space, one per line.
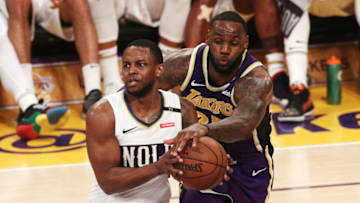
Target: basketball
(204,166)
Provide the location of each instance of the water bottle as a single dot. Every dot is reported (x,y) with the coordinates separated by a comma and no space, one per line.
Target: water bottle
(333,80)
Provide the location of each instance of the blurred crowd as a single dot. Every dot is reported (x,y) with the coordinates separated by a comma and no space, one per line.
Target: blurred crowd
(282,25)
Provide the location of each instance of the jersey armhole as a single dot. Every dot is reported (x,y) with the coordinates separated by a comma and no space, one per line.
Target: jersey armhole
(190,68)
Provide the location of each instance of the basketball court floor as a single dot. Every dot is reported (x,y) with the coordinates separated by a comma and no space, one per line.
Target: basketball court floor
(315,161)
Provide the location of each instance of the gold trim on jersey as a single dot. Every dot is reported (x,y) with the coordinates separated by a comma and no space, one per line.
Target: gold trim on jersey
(210,191)
(232,96)
(270,162)
(251,67)
(191,68)
(256,141)
(132,116)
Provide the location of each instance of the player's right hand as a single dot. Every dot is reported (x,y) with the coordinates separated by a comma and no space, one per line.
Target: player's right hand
(191,133)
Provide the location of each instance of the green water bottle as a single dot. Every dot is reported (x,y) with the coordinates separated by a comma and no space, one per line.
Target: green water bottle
(333,80)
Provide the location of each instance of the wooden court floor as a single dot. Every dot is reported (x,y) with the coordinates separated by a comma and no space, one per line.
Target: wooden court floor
(315,161)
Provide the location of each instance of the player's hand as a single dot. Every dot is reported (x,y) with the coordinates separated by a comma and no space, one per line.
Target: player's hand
(193,133)
(229,170)
(165,165)
(56,3)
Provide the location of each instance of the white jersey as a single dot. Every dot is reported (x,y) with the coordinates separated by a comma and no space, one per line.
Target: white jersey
(142,144)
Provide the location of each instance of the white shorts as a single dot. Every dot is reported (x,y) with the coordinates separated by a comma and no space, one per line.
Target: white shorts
(3,19)
(147,12)
(228,5)
(222,6)
(169,15)
(49,19)
(3,9)
(105,20)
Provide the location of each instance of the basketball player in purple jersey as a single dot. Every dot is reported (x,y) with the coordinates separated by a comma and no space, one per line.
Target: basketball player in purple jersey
(231,91)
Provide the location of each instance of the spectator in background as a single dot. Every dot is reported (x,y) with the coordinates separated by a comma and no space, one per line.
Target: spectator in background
(169,15)
(267,23)
(296,30)
(16,78)
(70,20)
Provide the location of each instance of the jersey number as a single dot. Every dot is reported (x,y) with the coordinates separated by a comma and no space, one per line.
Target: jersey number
(203,119)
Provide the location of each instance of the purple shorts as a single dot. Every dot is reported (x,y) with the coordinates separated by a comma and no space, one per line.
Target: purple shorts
(250,183)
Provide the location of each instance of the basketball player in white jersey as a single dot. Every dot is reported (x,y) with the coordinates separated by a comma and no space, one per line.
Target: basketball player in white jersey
(125,132)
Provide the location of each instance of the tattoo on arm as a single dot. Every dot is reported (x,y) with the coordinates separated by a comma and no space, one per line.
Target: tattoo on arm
(175,70)
(252,95)
(188,111)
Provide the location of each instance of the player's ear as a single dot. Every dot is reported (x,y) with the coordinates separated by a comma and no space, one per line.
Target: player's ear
(246,41)
(159,69)
(208,36)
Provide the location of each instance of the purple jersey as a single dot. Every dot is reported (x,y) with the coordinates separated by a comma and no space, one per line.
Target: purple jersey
(253,172)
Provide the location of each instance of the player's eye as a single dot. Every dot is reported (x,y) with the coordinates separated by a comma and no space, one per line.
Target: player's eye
(234,43)
(126,65)
(140,64)
(218,41)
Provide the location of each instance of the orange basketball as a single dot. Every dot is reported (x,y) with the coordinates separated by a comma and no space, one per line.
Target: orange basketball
(204,166)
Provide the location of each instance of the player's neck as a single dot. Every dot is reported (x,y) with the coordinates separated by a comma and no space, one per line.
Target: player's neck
(218,79)
(146,105)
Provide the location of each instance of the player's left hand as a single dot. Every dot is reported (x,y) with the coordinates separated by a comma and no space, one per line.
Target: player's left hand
(193,133)
(165,165)
(229,170)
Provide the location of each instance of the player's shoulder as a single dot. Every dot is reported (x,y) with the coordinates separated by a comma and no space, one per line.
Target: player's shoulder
(108,102)
(116,98)
(101,109)
(259,72)
(170,98)
(257,79)
(186,105)
(181,56)
(169,94)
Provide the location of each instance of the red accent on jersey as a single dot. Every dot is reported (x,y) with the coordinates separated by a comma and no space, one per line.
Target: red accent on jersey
(167,125)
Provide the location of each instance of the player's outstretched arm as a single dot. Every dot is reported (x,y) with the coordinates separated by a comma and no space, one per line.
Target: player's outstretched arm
(189,118)
(104,154)
(176,67)
(188,113)
(252,95)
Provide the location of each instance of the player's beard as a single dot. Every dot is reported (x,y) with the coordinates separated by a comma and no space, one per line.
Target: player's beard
(226,69)
(143,91)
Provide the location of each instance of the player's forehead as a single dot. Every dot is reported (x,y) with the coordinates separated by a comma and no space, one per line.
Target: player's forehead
(228,28)
(136,53)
